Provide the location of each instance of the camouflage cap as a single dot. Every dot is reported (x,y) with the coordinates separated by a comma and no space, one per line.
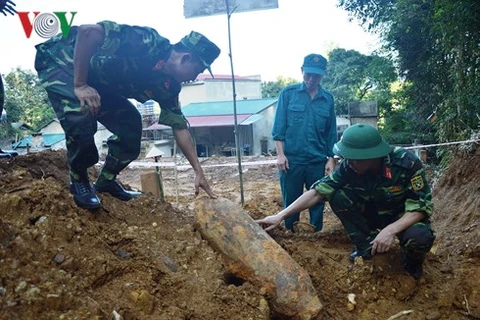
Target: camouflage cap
(202,48)
(315,63)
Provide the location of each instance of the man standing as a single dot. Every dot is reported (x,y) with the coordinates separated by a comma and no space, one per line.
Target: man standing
(378,192)
(304,131)
(88,77)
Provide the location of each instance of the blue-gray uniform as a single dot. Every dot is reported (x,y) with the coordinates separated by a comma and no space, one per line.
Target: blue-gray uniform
(308,130)
(366,203)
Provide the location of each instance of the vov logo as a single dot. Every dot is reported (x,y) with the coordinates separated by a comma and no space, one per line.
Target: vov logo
(46,24)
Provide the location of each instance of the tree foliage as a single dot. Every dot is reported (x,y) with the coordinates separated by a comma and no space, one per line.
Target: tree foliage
(271,89)
(25,100)
(436,43)
(353,77)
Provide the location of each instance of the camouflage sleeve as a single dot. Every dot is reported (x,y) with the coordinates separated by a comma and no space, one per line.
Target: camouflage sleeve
(171,114)
(419,195)
(125,40)
(328,184)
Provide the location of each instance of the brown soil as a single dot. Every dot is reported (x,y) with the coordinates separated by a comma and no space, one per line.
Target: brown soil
(143,260)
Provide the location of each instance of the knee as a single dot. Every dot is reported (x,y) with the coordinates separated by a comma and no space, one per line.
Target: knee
(420,236)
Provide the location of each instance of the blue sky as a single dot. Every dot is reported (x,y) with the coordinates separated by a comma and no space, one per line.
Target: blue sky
(269,43)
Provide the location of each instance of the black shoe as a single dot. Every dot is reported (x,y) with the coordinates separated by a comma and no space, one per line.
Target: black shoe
(365,254)
(116,190)
(83,195)
(415,270)
(8,154)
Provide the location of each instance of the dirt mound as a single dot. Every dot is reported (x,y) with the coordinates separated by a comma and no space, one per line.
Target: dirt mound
(143,260)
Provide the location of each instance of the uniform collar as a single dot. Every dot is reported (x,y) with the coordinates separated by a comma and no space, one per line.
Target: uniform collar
(320,93)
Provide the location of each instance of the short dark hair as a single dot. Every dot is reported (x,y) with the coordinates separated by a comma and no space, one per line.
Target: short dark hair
(181,48)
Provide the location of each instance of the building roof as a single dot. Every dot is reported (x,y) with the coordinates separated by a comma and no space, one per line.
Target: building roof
(49,139)
(27,141)
(223,108)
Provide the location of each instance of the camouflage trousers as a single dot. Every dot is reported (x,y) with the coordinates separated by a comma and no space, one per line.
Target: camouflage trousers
(117,114)
(362,222)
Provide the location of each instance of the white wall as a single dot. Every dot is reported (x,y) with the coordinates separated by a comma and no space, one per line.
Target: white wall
(52,127)
(220,90)
(263,129)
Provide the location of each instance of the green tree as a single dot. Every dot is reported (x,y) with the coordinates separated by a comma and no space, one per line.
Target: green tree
(436,45)
(353,76)
(271,89)
(25,99)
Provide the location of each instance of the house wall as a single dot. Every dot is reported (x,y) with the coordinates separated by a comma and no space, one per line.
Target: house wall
(193,92)
(223,91)
(52,127)
(220,90)
(373,121)
(262,130)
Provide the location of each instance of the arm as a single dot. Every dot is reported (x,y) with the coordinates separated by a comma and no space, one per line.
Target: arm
(185,144)
(384,241)
(278,131)
(282,161)
(331,139)
(89,38)
(418,206)
(305,201)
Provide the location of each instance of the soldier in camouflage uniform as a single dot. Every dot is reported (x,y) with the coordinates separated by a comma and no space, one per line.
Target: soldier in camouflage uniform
(89,75)
(6,6)
(378,192)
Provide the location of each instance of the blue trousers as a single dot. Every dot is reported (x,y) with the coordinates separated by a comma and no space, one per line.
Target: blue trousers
(293,182)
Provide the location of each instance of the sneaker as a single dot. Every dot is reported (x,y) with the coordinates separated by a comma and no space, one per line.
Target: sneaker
(83,195)
(365,254)
(415,270)
(117,191)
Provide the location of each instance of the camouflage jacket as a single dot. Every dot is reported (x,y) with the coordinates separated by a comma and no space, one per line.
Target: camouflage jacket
(124,65)
(402,186)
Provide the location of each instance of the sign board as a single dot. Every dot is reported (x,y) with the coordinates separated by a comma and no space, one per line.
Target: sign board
(199,8)
(363,109)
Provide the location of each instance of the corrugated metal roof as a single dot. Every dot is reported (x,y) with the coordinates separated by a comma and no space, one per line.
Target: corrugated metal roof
(253,118)
(216,121)
(49,139)
(23,143)
(220,108)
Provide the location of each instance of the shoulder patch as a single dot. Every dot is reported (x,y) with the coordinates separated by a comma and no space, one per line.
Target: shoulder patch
(417,183)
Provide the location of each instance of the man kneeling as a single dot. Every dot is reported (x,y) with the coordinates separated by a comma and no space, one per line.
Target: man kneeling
(378,192)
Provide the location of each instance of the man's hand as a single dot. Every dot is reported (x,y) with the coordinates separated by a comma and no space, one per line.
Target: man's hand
(330,166)
(88,97)
(282,163)
(383,242)
(7,6)
(270,222)
(201,182)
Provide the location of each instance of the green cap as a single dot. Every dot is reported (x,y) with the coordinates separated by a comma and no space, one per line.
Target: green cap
(202,48)
(315,63)
(361,142)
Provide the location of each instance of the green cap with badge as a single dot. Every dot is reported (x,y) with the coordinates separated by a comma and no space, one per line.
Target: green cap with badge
(361,142)
(315,63)
(205,50)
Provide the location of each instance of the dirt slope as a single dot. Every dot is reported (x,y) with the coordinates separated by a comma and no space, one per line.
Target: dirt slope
(143,260)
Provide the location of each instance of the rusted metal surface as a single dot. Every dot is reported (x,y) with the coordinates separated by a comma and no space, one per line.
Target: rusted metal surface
(251,254)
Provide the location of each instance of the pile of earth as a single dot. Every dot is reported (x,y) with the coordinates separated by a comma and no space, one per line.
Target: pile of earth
(143,260)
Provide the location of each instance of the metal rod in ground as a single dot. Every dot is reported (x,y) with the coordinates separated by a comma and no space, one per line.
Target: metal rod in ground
(237,140)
